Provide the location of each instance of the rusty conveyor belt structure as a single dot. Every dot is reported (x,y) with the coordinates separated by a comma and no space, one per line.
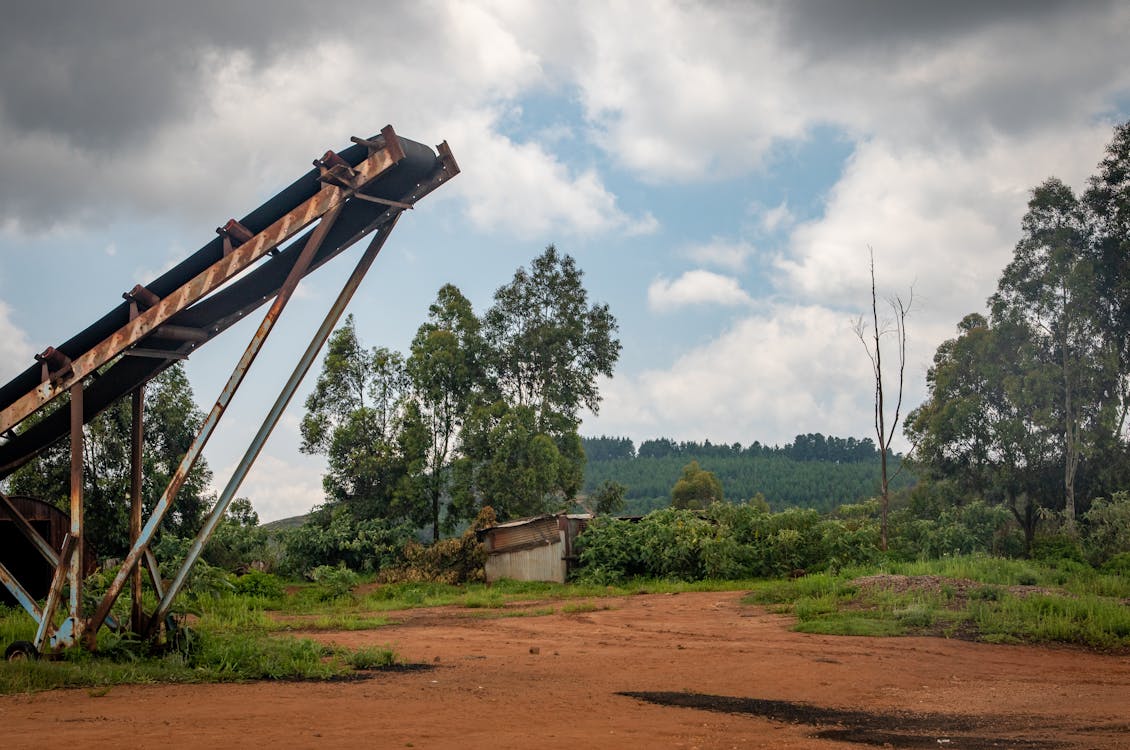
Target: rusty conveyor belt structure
(254,261)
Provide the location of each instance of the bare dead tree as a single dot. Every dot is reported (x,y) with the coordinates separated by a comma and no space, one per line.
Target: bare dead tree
(872,344)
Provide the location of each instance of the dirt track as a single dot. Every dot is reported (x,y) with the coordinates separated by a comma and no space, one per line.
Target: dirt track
(656,671)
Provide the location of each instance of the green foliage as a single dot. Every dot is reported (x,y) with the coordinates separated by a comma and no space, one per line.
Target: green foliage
(1107,526)
(547,345)
(783,480)
(1027,407)
(333,536)
(956,530)
(696,488)
(445,369)
(1088,621)
(607,499)
(371,658)
(334,581)
(238,541)
(512,464)
(545,348)
(353,417)
(725,541)
(260,585)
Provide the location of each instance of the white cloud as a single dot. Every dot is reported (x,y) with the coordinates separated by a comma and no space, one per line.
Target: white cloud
(721,252)
(15,350)
(696,288)
(786,371)
(524,189)
(281,488)
(942,221)
(778,217)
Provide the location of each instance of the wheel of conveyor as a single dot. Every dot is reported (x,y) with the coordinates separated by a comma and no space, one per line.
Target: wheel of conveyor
(21,651)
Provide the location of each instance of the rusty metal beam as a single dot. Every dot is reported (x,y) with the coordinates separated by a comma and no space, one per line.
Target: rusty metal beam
(75,574)
(55,593)
(213,419)
(154,571)
(327,199)
(136,476)
(332,317)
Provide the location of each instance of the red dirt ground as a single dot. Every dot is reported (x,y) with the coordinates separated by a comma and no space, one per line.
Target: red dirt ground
(705,672)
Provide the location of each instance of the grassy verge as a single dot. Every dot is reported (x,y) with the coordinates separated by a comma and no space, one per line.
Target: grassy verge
(972,597)
(208,657)
(237,635)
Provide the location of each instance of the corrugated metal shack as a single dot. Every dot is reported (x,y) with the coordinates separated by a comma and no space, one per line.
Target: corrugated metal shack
(533,549)
(21,557)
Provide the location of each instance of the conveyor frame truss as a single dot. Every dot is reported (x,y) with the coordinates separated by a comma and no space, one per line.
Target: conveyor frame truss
(153,318)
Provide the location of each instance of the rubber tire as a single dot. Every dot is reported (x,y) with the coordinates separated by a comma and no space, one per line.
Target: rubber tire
(20,651)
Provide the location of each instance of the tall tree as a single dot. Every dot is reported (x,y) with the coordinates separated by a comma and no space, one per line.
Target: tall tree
(1049,290)
(445,373)
(1107,200)
(548,345)
(353,417)
(513,465)
(976,430)
(545,347)
(873,344)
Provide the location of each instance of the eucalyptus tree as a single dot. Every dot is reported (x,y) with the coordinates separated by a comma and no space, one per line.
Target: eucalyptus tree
(977,429)
(445,375)
(547,344)
(544,348)
(353,417)
(1050,292)
(1107,201)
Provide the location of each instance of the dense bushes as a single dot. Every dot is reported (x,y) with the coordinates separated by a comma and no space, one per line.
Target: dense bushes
(334,537)
(746,541)
(955,530)
(724,541)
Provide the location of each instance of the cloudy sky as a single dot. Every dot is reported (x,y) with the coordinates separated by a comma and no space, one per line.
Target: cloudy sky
(718,169)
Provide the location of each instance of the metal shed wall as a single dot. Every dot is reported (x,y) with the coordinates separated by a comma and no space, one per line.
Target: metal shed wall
(544,562)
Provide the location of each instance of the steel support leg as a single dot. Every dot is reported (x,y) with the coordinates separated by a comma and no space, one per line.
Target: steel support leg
(138,548)
(75,575)
(137,456)
(272,419)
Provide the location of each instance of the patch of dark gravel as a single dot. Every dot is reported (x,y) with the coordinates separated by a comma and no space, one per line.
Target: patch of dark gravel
(889,729)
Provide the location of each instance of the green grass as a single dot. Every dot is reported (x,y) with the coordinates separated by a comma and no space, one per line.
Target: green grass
(346,621)
(1085,608)
(238,639)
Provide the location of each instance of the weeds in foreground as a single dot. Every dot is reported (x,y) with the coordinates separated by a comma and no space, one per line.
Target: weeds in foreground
(975,597)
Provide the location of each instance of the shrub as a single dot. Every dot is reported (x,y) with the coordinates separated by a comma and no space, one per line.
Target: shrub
(332,536)
(263,585)
(335,581)
(451,561)
(1107,527)
(724,541)
(955,530)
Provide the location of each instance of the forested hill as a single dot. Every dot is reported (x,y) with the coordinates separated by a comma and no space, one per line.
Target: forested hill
(813,471)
